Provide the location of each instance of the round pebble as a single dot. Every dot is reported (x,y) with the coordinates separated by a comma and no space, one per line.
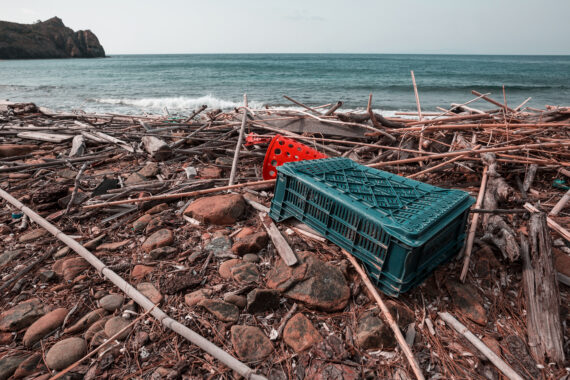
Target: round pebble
(116,324)
(111,302)
(251,258)
(66,352)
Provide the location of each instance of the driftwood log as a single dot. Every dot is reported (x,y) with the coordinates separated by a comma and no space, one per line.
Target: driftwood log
(541,293)
(157,148)
(497,231)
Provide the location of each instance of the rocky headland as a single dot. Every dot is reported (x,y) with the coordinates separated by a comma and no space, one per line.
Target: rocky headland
(47,39)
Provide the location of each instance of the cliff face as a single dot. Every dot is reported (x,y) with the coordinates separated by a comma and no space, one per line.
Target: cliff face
(47,39)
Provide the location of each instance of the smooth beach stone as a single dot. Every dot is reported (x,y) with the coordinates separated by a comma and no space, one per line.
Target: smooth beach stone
(66,352)
(111,302)
(116,324)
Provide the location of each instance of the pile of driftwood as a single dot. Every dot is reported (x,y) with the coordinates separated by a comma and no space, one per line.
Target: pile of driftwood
(92,175)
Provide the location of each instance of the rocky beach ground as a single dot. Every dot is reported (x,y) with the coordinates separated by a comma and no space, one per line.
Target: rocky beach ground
(209,263)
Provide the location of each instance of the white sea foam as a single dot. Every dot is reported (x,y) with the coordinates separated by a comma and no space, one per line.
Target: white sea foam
(180,103)
(185,104)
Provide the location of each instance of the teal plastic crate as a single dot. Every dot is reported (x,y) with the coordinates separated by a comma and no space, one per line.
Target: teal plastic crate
(399,228)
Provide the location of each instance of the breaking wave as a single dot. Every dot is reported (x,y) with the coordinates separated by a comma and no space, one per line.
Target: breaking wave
(180,103)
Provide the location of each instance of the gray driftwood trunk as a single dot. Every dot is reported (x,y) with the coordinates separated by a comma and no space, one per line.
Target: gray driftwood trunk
(541,293)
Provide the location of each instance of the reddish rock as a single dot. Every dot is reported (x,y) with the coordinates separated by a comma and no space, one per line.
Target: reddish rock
(236,299)
(195,297)
(219,209)
(44,326)
(322,370)
(71,268)
(150,292)
(162,252)
(86,321)
(149,170)
(160,238)
(113,246)
(468,301)
(224,311)
(323,285)
(30,366)
(22,315)
(157,209)
(250,343)
(372,333)
(140,224)
(251,243)
(282,277)
(139,271)
(245,273)
(300,334)
(32,235)
(5,338)
(134,179)
(225,268)
(210,172)
(156,223)
(65,352)
(57,267)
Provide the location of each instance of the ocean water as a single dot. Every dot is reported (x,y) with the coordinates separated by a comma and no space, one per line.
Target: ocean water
(148,83)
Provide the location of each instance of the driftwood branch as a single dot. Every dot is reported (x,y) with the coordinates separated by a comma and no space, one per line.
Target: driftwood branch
(493,358)
(544,327)
(388,316)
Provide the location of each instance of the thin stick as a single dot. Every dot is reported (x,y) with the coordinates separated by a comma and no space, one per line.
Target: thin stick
(137,296)
(54,163)
(481,126)
(493,358)
(375,122)
(186,138)
(437,166)
(180,195)
(448,119)
(522,104)
(551,223)
(239,142)
(492,101)
(196,112)
(473,227)
(20,274)
(393,325)
(281,246)
(284,321)
(470,152)
(333,108)
(104,344)
(421,140)
(330,121)
(75,188)
(417,96)
(499,211)
(561,203)
(302,105)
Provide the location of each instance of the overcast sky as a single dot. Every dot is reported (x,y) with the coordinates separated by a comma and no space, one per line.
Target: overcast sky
(311,26)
